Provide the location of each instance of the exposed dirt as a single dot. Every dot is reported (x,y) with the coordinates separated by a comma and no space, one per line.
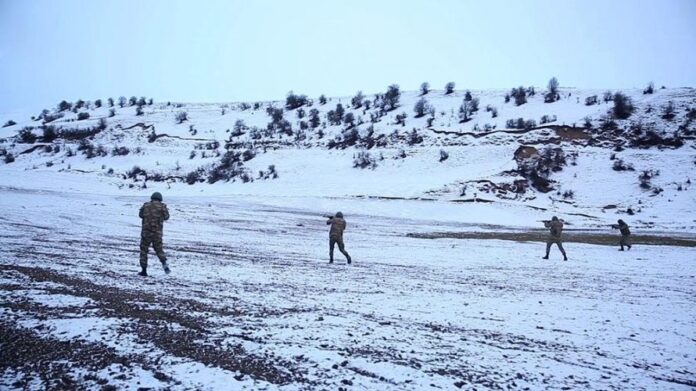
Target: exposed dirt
(568,236)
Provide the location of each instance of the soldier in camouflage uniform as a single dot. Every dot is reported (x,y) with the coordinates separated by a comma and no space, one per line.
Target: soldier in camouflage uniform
(153,214)
(556,229)
(338,225)
(625,234)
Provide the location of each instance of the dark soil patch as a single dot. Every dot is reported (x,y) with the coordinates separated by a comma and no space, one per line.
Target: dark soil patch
(571,237)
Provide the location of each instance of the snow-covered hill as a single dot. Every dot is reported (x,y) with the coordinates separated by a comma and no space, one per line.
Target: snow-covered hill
(239,148)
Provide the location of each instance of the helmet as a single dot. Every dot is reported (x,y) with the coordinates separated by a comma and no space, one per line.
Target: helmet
(554,218)
(339,214)
(156,196)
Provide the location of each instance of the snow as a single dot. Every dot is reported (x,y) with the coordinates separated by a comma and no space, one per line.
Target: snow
(252,302)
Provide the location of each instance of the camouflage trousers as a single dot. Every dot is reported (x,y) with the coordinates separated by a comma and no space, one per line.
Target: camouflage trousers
(153,239)
(558,242)
(625,241)
(333,241)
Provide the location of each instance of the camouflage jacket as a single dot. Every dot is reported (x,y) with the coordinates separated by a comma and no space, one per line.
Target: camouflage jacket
(154,213)
(624,229)
(555,227)
(338,225)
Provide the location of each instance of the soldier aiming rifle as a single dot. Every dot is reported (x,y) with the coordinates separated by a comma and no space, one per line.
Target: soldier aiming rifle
(338,225)
(625,234)
(555,226)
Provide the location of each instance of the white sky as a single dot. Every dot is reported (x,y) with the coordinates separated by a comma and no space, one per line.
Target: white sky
(205,51)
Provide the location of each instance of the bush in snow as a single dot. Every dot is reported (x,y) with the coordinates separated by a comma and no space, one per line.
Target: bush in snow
(349,120)
(649,89)
(449,88)
(98,103)
(364,159)
(390,100)
(520,95)
(467,95)
(110,102)
(552,93)
(50,133)
(425,88)
(293,101)
(623,106)
(668,111)
(545,119)
(400,119)
(112,113)
(122,101)
(9,158)
(322,99)
(646,177)
(421,107)
(443,155)
(620,165)
(314,119)
(357,100)
(82,116)
(132,101)
(414,138)
(26,136)
(64,106)
(568,194)
(591,100)
(139,110)
(9,123)
(181,117)
(120,151)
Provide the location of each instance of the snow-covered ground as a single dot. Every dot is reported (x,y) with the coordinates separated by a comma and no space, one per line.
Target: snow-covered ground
(252,302)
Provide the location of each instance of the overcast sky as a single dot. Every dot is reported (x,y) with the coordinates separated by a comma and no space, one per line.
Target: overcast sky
(213,51)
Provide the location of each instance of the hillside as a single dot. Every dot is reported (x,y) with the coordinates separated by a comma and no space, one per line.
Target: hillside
(276,149)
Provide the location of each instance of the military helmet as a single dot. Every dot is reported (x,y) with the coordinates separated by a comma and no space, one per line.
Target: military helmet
(156,196)
(339,214)
(554,218)
(621,221)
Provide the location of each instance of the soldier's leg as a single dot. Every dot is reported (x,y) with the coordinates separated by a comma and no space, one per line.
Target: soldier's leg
(622,242)
(628,241)
(548,249)
(332,243)
(342,248)
(157,244)
(560,247)
(144,247)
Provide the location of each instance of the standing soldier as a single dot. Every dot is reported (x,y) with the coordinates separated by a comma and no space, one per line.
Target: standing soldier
(625,234)
(153,213)
(556,229)
(338,225)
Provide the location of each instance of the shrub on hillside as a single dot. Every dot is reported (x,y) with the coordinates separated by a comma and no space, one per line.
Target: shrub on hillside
(649,89)
(357,100)
(620,165)
(64,106)
(591,100)
(449,88)
(668,111)
(293,101)
(9,158)
(390,99)
(545,119)
(82,116)
(421,107)
(120,151)
(424,88)
(181,117)
(552,93)
(9,123)
(623,106)
(520,95)
(50,133)
(443,155)
(364,159)
(26,136)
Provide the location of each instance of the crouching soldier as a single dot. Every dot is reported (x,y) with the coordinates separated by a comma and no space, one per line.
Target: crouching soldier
(556,229)
(338,225)
(153,214)
(625,234)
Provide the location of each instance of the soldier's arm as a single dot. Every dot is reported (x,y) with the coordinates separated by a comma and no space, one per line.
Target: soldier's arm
(165,212)
(329,221)
(141,211)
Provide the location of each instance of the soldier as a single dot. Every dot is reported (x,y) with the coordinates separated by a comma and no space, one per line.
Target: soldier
(338,225)
(625,234)
(153,213)
(556,229)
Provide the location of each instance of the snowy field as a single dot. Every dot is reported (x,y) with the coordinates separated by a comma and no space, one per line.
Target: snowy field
(252,302)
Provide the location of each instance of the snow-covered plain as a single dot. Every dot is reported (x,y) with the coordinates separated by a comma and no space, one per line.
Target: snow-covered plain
(252,302)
